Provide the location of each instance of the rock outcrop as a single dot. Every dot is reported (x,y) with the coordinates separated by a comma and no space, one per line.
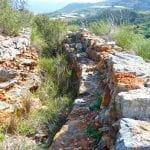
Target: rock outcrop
(125,108)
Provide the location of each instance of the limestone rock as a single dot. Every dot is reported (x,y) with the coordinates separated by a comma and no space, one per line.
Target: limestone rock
(133,134)
(7,85)
(28,62)
(125,62)
(6,75)
(4,106)
(134,104)
(21,43)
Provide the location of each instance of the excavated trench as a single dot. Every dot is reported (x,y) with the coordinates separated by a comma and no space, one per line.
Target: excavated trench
(112,110)
(123,81)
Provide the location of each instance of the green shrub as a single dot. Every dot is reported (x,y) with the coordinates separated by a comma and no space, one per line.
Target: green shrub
(73,28)
(126,38)
(2,137)
(57,71)
(142,47)
(37,40)
(99,28)
(55,95)
(12,20)
(52,31)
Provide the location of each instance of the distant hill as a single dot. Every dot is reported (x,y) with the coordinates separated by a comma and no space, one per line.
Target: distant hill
(75,6)
(84,8)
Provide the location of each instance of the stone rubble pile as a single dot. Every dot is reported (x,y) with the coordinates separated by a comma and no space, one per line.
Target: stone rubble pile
(18,73)
(125,81)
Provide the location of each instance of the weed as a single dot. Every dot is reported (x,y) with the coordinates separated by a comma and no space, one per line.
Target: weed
(2,137)
(96,106)
(27,105)
(12,125)
(37,40)
(25,128)
(93,133)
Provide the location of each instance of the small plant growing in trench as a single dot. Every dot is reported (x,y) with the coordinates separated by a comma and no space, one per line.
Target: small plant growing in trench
(96,106)
(93,133)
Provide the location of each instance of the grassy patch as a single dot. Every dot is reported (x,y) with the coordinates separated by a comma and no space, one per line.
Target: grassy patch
(126,38)
(11,19)
(25,128)
(56,95)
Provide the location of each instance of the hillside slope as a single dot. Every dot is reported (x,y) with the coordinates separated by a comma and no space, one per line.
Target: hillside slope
(140,5)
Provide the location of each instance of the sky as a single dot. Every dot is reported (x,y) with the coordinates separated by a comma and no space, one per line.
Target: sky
(42,6)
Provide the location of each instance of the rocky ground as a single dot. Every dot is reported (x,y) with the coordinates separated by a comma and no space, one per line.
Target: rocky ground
(18,74)
(18,80)
(123,78)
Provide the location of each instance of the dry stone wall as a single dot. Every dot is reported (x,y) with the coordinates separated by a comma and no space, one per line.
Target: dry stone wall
(18,74)
(125,80)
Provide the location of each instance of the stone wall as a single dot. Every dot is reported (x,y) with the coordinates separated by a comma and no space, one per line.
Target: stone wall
(125,80)
(18,74)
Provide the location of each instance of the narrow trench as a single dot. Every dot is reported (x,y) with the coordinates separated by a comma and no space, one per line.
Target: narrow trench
(62,117)
(80,130)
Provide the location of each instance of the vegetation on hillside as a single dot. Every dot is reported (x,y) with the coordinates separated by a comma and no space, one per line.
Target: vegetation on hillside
(125,37)
(52,31)
(13,17)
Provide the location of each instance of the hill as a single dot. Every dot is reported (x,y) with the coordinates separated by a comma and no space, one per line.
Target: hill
(84,9)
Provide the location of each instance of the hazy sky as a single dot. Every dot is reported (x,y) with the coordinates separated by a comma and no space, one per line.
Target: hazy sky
(39,6)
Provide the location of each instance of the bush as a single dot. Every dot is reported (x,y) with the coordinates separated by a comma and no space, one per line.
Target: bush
(12,20)
(57,71)
(99,28)
(126,38)
(52,31)
(37,40)
(73,28)
(93,133)
(142,47)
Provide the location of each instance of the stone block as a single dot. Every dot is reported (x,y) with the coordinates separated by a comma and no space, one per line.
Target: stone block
(134,104)
(133,135)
